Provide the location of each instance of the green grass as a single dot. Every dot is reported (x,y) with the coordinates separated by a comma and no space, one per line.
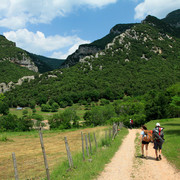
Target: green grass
(80,110)
(171,146)
(3,138)
(19,113)
(89,169)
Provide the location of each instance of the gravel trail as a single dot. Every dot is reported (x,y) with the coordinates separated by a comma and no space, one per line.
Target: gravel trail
(125,165)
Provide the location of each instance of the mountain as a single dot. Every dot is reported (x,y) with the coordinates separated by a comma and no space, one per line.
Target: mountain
(45,64)
(171,23)
(36,63)
(144,57)
(173,18)
(94,47)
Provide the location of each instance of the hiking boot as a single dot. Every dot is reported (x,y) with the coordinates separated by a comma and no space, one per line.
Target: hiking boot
(142,156)
(157,159)
(160,157)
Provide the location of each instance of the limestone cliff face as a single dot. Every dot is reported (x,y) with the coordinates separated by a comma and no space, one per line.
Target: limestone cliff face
(9,51)
(82,51)
(94,47)
(6,87)
(26,62)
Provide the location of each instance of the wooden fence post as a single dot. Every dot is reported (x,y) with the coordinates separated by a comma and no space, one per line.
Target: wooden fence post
(106,134)
(44,155)
(87,149)
(68,153)
(109,133)
(95,140)
(15,166)
(82,146)
(90,142)
(114,130)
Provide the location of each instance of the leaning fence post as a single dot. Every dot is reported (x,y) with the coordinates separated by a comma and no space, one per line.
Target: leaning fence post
(90,142)
(15,166)
(87,149)
(82,145)
(95,140)
(68,153)
(44,155)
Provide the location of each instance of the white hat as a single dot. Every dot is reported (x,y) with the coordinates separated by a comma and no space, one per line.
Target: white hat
(157,124)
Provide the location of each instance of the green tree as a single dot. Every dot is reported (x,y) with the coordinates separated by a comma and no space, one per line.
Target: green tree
(4,108)
(54,107)
(45,108)
(175,104)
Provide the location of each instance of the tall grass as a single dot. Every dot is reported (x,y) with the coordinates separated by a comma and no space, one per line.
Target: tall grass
(3,138)
(93,165)
(171,146)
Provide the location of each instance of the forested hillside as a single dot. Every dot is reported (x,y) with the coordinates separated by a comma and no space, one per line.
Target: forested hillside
(45,64)
(9,52)
(143,58)
(12,72)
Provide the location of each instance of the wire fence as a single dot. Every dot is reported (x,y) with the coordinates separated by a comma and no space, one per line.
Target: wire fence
(29,157)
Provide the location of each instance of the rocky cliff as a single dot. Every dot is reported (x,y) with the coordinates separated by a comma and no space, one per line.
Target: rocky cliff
(6,87)
(96,46)
(9,51)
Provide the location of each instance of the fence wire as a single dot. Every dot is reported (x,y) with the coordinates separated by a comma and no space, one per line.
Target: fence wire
(29,157)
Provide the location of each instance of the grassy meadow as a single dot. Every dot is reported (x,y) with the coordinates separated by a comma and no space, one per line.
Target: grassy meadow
(27,148)
(171,146)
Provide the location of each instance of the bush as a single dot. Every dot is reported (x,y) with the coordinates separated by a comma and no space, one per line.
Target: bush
(64,120)
(37,117)
(54,107)
(45,108)
(99,115)
(12,123)
(104,102)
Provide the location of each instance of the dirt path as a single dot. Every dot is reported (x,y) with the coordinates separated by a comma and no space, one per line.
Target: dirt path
(127,166)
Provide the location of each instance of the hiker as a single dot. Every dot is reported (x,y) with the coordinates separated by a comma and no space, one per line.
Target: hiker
(144,143)
(131,123)
(158,140)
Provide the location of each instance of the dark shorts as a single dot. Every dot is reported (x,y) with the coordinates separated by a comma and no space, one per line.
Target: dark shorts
(157,145)
(144,142)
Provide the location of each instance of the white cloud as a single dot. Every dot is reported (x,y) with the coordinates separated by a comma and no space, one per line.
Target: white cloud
(158,8)
(38,43)
(16,14)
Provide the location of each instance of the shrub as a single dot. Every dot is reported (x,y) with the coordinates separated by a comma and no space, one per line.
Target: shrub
(64,120)
(45,108)
(99,115)
(104,102)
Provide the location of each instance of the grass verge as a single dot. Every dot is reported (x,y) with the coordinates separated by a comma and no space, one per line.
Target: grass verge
(92,166)
(171,146)
(137,160)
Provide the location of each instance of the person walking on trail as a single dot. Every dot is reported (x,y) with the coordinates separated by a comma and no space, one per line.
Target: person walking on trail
(158,140)
(131,123)
(143,143)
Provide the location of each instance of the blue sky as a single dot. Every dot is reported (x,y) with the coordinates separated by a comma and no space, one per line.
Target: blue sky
(55,28)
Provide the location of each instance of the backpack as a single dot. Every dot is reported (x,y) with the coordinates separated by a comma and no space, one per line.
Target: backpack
(148,136)
(158,134)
